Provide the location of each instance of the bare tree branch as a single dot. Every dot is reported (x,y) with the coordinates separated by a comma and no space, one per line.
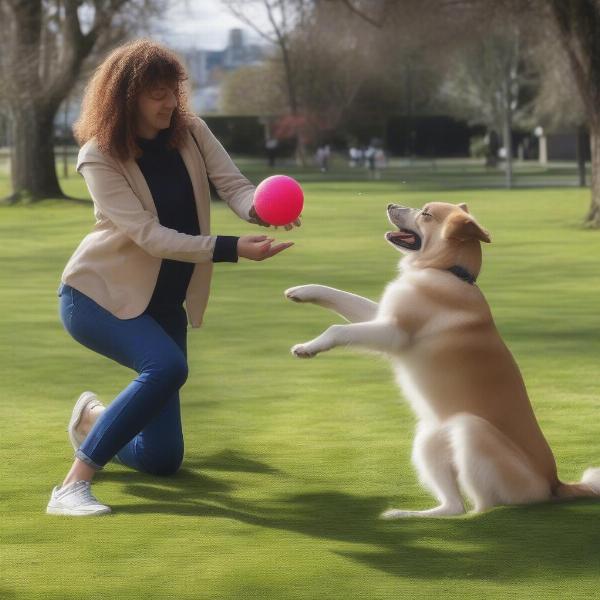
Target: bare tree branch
(234,7)
(375,21)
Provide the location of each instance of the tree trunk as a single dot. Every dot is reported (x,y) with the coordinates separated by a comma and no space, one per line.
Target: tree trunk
(507,135)
(508,149)
(593,217)
(300,151)
(581,143)
(33,167)
(579,29)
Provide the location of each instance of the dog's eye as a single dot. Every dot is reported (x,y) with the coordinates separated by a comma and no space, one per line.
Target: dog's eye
(426,214)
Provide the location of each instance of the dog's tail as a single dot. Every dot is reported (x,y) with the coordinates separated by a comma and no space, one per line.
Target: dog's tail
(588,487)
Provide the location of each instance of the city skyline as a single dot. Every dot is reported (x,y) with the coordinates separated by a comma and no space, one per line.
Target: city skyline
(202,25)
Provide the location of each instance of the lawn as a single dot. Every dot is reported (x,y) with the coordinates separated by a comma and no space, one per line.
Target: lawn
(288,463)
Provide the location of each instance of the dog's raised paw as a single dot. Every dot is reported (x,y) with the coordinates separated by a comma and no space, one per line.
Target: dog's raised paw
(300,293)
(301,351)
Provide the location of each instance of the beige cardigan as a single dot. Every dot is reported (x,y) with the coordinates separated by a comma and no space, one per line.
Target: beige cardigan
(117,264)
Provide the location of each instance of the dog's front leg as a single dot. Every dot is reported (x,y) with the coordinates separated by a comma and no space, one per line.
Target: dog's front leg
(351,307)
(381,336)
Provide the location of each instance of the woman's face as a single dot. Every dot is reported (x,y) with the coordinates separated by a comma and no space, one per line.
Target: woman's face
(155,107)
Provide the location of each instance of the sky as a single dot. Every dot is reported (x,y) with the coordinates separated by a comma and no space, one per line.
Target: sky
(201,24)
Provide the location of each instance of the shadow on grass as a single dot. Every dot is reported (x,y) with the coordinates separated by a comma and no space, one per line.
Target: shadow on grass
(506,544)
(228,460)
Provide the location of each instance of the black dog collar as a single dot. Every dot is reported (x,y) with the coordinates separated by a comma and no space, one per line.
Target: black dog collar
(463,274)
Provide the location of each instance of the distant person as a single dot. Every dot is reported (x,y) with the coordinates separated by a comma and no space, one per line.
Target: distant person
(271,146)
(322,157)
(380,162)
(370,160)
(146,160)
(356,156)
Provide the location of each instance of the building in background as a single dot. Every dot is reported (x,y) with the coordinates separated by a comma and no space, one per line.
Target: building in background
(207,68)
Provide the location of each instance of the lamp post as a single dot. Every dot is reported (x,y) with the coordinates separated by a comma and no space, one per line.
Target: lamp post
(543,145)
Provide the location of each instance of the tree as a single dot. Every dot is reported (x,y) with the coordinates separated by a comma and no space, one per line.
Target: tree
(578,26)
(490,83)
(557,104)
(283,16)
(575,22)
(253,90)
(319,66)
(333,54)
(401,75)
(43,47)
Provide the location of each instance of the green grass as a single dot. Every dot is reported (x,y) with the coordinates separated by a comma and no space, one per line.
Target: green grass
(288,462)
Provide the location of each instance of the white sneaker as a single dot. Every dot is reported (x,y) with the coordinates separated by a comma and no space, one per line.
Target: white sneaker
(87,400)
(76,500)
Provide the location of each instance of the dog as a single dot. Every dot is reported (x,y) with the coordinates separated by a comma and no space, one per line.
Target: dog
(477,436)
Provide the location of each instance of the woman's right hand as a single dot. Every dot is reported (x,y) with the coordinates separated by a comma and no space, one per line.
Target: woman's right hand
(258,247)
(254,218)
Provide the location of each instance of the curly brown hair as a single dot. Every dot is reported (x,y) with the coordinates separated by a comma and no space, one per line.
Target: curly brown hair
(109,103)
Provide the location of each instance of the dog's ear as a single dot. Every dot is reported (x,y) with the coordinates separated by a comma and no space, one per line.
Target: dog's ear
(462,228)
(464,207)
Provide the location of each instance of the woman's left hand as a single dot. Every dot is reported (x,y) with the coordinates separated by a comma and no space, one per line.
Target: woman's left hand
(254,218)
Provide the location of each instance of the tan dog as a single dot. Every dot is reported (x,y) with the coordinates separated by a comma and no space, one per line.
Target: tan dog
(476,429)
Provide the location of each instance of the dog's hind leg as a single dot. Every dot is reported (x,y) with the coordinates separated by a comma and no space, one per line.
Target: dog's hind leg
(351,307)
(492,470)
(432,457)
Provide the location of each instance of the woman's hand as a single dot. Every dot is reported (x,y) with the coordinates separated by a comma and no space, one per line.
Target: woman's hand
(258,247)
(254,218)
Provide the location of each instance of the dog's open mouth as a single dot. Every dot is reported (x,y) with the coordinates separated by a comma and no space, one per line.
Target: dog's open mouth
(405,238)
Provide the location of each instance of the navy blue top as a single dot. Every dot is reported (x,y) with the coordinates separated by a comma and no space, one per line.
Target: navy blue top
(173,194)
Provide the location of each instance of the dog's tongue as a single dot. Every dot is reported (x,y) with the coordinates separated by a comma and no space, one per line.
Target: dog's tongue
(409,238)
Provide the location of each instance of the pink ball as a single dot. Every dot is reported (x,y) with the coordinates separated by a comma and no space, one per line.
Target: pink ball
(278,200)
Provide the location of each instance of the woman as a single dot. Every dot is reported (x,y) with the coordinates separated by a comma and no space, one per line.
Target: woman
(146,161)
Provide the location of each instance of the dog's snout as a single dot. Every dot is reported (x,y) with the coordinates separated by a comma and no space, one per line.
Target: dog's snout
(393,206)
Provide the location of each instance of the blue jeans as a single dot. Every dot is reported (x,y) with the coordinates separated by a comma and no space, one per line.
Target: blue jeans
(142,425)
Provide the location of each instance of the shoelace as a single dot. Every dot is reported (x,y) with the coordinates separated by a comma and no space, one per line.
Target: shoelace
(83,491)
